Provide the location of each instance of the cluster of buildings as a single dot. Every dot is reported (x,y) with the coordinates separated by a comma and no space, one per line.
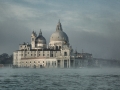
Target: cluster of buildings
(58,54)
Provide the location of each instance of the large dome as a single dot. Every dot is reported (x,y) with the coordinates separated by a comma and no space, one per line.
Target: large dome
(59,35)
(40,39)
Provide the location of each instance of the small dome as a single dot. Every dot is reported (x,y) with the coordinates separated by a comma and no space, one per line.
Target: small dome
(40,39)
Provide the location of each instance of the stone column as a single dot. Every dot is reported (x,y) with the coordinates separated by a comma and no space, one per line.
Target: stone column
(74,63)
(63,64)
(56,64)
(67,64)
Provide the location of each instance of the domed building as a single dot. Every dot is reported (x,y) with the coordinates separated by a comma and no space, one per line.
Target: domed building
(58,54)
(59,38)
(38,42)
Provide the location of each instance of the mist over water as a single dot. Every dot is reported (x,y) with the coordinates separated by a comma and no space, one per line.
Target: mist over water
(60,79)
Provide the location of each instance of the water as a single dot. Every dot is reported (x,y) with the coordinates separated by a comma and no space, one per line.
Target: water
(60,79)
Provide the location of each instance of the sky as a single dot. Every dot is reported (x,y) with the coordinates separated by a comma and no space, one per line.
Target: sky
(91,25)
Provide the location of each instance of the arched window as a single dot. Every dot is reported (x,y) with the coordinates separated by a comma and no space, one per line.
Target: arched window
(56,47)
(59,47)
(32,39)
(65,53)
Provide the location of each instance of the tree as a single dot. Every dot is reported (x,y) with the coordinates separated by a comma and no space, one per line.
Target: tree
(6,59)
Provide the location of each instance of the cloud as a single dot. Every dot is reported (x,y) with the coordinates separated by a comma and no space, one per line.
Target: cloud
(19,12)
(91,25)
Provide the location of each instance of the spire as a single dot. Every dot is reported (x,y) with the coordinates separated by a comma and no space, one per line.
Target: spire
(35,34)
(59,21)
(82,51)
(40,33)
(76,50)
(59,26)
(33,31)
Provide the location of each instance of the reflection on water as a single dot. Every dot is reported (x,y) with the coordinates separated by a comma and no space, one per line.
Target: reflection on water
(59,79)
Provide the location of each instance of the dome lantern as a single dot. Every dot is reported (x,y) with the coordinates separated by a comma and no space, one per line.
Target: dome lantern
(40,33)
(59,26)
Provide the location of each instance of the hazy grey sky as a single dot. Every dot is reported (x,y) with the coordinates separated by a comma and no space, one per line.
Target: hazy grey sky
(91,25)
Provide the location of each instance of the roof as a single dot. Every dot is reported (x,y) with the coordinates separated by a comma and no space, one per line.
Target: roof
(40,50)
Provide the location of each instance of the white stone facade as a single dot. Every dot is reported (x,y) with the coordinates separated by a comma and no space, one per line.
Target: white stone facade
(58,54)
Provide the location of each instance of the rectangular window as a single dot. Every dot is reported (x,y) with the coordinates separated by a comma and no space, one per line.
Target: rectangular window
(51,55)
(55,63)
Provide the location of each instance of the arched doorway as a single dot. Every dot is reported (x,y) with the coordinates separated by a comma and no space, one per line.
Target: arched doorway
(56,47)
(58,63)
(65,63)
(41,66)
(34,66)
(65,53)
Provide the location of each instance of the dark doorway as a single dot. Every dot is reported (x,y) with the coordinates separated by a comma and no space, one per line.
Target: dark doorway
(41,66)
(65,63)
(34,66)
(58,63)
(71,63)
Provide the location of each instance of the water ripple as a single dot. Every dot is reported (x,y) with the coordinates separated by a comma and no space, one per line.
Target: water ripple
(59,79)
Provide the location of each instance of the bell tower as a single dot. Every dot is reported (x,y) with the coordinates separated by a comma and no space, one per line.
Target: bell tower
(33,37)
